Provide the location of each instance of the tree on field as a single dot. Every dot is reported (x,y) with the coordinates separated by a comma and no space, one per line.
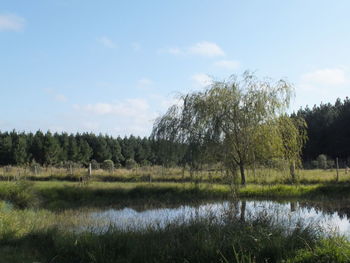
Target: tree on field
(5,149)
(85,151)
(322,161)
(240,119)
(20,155)
(294,136)
(108,165)
(72,149)
(51,149)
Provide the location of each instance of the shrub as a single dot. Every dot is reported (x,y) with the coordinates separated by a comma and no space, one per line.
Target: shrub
(108,165)
(330,163)
(95,165)
(34,167)
(322,161)
(145,163)
(130,163)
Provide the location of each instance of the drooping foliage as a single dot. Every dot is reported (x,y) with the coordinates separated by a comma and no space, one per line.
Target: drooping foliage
(241,120)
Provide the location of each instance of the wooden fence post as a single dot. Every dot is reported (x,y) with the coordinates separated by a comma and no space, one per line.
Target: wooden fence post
(337,163)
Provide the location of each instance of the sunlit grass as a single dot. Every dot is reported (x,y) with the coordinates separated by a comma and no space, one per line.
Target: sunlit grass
(264,176)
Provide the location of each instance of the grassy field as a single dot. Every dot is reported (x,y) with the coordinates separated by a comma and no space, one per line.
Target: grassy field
(263,176)
(55,195)
(35,225)
(43,236)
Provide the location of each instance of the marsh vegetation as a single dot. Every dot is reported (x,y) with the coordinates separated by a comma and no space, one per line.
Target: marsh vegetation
(220,179)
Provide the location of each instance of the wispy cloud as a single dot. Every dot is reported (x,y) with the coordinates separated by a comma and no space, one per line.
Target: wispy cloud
(56,96)
(328,76)
(204,49)
(107,42)
(201,80)
(227,64)
(322,85)
(60,98)
(132,116)
(11,22)
(127,108)
(144,83)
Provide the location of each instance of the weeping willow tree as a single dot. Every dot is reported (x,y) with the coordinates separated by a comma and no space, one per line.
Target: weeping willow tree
(242,120)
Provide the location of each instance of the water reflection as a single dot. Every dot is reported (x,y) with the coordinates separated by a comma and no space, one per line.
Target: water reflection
(288,213)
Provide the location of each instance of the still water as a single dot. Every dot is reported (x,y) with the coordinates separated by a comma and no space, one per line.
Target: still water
(289,214)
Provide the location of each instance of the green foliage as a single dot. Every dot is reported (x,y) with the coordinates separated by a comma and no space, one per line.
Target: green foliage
(145,163)
(56,149)
(130,164)
(334,249)
(94,164)
(108,165)
(20,194)
(51,149)
(322,161)
(231,239)
(238,120)
(20,155)
(328,130)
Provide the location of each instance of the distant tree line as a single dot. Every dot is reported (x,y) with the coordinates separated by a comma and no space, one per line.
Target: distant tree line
(55,149)
(328,129)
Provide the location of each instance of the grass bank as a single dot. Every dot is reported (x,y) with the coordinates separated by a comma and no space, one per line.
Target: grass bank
(40,237)
(59,195)
(262,176)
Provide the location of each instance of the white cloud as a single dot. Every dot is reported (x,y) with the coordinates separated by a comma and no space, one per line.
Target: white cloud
(56,96)
(131,116)
(202,80)
(164,102)
(144,83)
(11,22)
(207,49)
(60,98)
(227,64)
(328,76)
(322,85)
(175,51)
(127,108)
(107,42)
(204,49)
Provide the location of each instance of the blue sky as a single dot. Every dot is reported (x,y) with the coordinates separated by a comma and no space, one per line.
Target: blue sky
(114,66)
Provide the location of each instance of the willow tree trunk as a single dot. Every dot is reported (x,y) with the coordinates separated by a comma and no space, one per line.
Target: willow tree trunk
(241,168)
(292,170)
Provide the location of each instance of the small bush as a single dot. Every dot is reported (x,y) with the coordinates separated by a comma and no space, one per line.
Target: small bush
(145,163)
(108,165)
(322,161)
(95,165)
(130,163)
(21,194)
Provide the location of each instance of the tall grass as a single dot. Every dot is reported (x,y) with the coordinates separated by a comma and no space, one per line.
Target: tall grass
(262,176)
(229,239)
(62,195)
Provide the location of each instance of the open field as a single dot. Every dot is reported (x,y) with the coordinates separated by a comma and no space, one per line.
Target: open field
(263,176)
(36,226)
(42,236)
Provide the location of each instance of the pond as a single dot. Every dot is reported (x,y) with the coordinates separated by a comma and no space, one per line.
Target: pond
(289,214)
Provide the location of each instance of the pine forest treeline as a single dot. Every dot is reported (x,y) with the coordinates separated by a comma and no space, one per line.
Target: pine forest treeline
(328,134)
(58,149)
(328,131)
